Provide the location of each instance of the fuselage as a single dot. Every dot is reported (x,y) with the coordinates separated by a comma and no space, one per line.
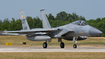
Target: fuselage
(80,30)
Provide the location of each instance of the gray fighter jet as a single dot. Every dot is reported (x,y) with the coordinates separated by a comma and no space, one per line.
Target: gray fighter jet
(78,30)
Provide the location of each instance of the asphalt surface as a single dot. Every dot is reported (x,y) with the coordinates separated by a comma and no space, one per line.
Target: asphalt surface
(52,49)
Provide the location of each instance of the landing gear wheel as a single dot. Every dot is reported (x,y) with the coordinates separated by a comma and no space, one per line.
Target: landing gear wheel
(44,45)
(74,46)
(62,45)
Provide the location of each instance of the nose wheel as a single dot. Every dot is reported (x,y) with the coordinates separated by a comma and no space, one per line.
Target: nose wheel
(44,45)
(62,45)
(74,46)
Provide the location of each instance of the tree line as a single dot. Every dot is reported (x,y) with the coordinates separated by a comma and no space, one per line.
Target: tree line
(62,18)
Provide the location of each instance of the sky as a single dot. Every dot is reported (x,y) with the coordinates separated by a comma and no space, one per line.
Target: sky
(90,9)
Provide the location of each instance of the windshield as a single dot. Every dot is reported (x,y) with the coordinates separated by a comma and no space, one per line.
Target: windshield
(80,22)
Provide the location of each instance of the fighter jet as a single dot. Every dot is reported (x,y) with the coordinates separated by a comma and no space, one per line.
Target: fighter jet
(78,30)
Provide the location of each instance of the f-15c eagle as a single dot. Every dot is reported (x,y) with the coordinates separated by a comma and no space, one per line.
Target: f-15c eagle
(78,30)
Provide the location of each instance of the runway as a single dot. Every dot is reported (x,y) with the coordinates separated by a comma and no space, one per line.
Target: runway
(51,49)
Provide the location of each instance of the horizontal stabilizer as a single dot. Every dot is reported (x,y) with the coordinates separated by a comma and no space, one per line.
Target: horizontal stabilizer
(10,33)
(13,34)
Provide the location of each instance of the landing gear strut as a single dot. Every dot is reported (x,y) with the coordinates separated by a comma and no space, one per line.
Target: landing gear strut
(75,41)
(62,45)
(44,45)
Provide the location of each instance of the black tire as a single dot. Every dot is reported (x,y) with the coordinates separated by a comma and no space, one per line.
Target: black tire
(62,45)
(74,46)
(44,45)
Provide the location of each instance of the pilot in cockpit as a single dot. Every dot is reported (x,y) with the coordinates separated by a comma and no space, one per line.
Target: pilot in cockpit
(80,22)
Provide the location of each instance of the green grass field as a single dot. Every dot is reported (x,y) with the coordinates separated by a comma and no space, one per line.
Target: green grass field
(18,41)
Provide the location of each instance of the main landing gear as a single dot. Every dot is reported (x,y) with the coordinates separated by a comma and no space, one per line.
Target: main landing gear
(62,45)
(45,45)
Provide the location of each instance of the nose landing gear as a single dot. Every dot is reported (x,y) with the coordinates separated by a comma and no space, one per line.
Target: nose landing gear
(75,41)
(74,46)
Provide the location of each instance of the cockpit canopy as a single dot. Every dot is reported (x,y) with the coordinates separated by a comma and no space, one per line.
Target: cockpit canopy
(80,22)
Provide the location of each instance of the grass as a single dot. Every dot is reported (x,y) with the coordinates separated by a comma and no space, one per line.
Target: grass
(18,41)
(52,55)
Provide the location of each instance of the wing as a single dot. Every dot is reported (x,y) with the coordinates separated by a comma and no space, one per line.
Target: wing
(55,32)
(33,31)
(63,32)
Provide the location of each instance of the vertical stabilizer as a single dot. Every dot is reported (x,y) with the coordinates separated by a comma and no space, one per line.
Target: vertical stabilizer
(24,21)
(44,19)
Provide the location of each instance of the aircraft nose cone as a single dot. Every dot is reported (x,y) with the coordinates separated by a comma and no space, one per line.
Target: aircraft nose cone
(95,32)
